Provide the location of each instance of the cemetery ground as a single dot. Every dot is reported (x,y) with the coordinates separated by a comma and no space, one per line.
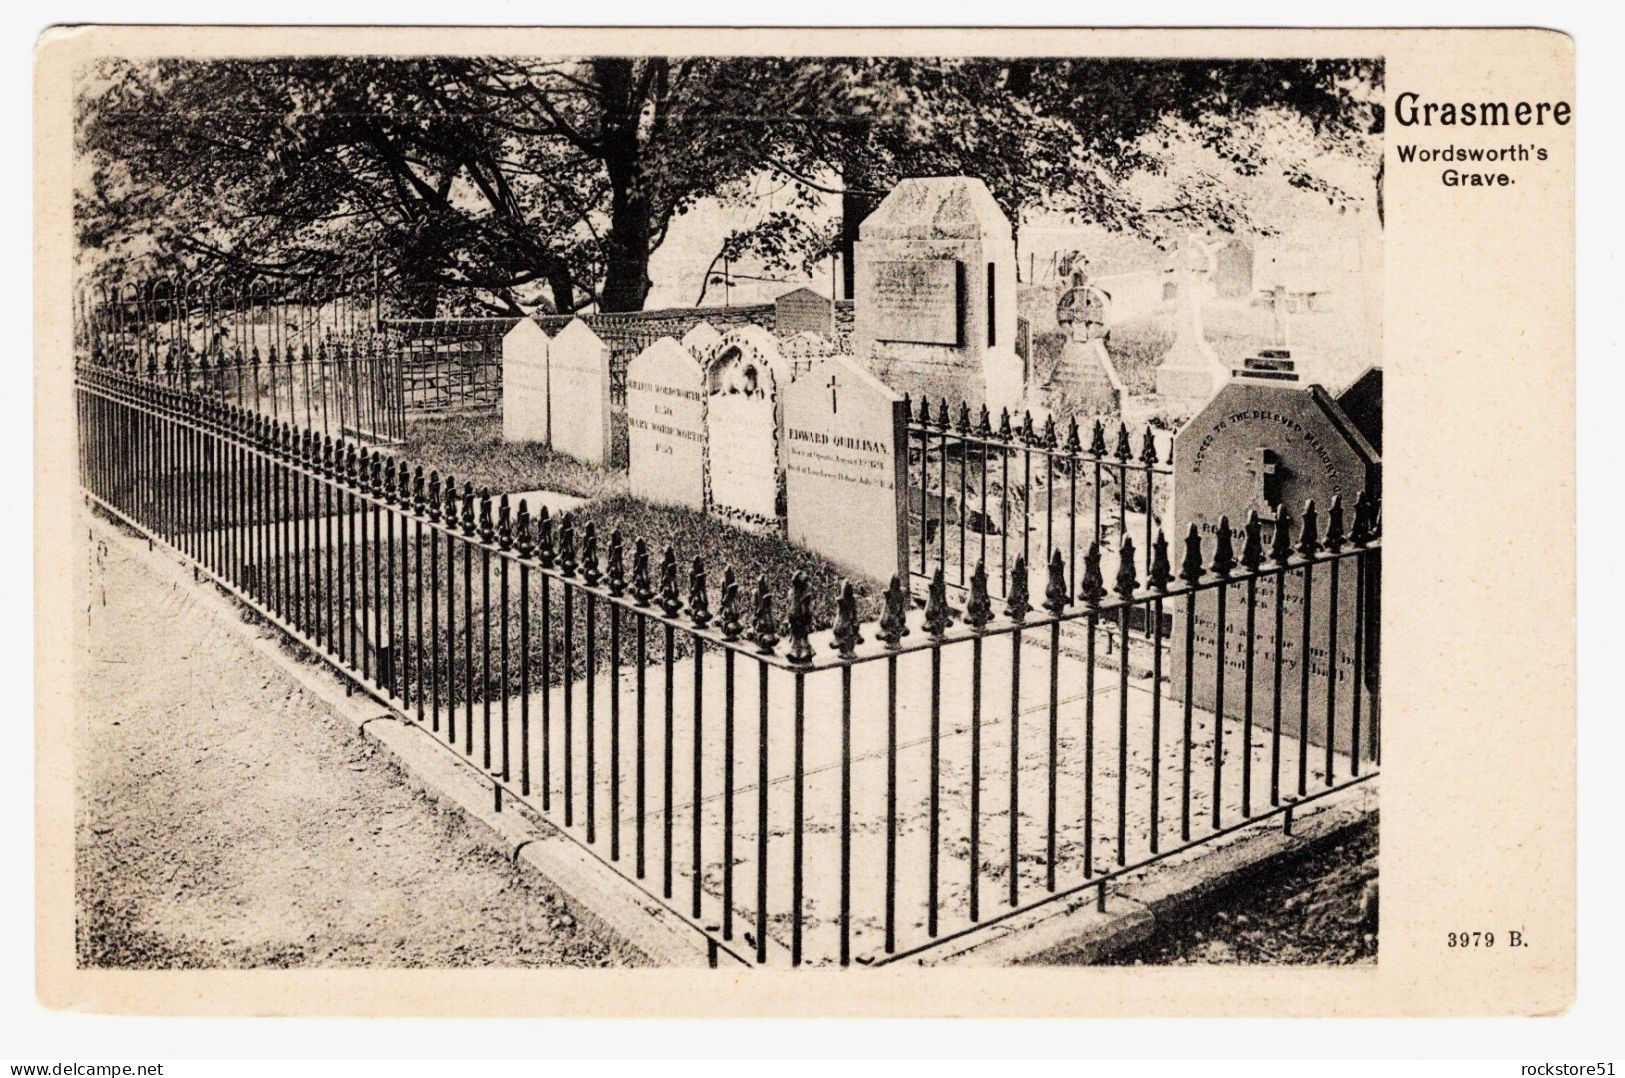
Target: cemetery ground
(471,448)
(1313,911)
(1322,340)
(228,819)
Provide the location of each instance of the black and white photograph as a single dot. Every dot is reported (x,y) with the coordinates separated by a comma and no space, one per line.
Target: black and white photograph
(714,527)
(834,511)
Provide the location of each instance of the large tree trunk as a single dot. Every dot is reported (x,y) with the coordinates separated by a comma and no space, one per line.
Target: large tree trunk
(564,290)
(857,202)
(626,275)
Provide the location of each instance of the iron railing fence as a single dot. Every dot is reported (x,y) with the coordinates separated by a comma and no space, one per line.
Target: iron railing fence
(974,487)
(450,363)
(348,387)
(172,319)
(811,788)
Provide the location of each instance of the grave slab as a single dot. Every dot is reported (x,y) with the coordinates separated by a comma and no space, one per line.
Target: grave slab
(744,429)
(803,311)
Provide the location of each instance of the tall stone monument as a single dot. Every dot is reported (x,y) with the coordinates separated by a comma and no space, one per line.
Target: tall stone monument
(1085,381)
(1190,373)
(935,293)
(525,411)
(1269,446)
(845,449)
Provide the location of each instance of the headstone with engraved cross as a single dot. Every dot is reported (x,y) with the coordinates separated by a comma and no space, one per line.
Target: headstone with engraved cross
(845,439)
(1270,447)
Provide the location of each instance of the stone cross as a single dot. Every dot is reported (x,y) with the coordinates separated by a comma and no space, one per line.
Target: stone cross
(833,406)
(1265,469)
(1278,305)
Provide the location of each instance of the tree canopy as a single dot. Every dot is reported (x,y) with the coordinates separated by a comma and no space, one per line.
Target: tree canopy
(503,178)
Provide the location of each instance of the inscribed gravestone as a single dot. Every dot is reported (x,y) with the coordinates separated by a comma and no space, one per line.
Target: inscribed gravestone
(665,419)
(1264,446)
(845,448)
(802,311)
(578,360)
(525,384)
(743,426)
(935,293)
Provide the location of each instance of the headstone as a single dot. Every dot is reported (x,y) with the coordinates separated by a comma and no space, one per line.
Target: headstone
(665,426)
(1267,446)
(1082,311)
(525,384)
(1190,373)
(1085,380)
(802,311)
(743,429)
(1362,403)
(935,293)
(701,340)
(845,451)
(1233,269)
(579,381)
(808,345)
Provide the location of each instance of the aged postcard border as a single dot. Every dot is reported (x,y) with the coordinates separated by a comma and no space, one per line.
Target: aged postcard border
(1478,784)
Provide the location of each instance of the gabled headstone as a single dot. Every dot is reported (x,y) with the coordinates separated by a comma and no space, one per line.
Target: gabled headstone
(935,293)
(744,429)
(802,311)
(665,421)
(525,413)
(701,340)
(845,450)
(1271,447)
(579,393)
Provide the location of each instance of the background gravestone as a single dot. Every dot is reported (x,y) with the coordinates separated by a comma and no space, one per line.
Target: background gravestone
(1233,269)
(743,429)
(845,448)
(701,340)
(525,384)
(1190,373)
(935,293)
(1264,445)
(578,361)
(665,420)
(803,311)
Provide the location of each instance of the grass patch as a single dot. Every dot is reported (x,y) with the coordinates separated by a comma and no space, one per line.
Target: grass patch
(471,448)
(464,605)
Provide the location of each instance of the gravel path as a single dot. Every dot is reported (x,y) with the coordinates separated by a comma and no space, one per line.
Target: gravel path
(1314,911)
(227,819)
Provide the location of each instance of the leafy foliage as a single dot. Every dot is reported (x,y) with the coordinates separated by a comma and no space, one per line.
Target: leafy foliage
(527,181)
